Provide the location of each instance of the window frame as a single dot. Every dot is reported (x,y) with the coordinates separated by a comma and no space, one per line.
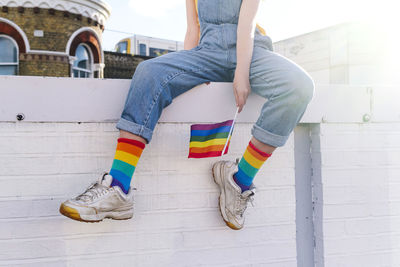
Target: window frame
(91,59)
(11,63)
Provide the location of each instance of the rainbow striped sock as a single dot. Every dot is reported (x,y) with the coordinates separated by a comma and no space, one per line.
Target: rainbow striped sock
(251,162)
(125,161)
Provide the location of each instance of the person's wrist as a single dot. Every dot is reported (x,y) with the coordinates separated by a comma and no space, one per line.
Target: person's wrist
(241,71)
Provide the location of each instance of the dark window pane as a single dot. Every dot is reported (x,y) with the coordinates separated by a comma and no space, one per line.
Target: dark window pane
(122,47)
(83,57)
(142,50)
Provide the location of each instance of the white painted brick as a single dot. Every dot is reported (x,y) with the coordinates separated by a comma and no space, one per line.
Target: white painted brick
(176,212)
(359,158)
(333,229)
(348,210)
(385,208)
(372,225)
(363,244)
(351,176)
(359,176)
(379,258)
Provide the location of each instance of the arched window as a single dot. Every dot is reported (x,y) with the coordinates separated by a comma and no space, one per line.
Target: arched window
(8,56)
(83,63)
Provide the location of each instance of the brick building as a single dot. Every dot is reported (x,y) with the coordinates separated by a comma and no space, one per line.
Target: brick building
(52,37)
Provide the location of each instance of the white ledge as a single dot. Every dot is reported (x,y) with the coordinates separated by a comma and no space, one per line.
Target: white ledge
(98,10)
(51,99)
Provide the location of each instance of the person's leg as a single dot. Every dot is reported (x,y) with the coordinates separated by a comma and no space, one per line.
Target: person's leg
(127,154)
(289,89)
(155,83)
(251,161)
(125,134)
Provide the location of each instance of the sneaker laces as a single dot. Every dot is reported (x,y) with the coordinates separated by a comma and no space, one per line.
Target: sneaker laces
(93,191)
(241,203)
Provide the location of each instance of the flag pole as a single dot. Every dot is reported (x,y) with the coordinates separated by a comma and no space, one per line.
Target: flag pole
(230,131)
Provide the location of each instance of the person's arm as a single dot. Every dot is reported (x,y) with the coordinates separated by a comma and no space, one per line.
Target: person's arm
(193,29)
(244,50)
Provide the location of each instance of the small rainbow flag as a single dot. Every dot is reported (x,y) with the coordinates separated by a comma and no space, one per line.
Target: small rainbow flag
(210,140)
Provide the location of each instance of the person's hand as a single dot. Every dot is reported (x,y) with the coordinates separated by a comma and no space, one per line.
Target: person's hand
(241,89)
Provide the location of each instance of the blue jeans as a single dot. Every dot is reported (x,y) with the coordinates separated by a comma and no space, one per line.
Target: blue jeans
(157,81)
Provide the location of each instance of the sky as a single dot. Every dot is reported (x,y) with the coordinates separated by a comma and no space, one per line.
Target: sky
(281,19)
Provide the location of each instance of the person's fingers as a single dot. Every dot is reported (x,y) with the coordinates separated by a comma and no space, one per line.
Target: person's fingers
(241,101)
(236,96)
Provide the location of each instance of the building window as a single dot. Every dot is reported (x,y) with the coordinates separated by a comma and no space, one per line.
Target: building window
(83,63)
(8,56)
(142,50)
(122,47)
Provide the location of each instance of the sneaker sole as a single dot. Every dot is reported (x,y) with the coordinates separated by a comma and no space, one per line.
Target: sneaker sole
(221,201)
(74,214)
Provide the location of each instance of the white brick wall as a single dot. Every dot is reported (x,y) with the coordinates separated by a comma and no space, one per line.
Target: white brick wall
(176,221)
(335,185)
(355,194)
(358,209)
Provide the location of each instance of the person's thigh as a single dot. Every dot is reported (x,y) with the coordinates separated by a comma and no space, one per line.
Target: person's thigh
(158,80)
(182,70)
(272,74)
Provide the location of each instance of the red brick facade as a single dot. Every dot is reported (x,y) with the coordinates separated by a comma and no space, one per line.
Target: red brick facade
(9,30)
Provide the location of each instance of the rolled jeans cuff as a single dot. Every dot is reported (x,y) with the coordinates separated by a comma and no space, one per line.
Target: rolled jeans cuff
(267,137)
(134,128)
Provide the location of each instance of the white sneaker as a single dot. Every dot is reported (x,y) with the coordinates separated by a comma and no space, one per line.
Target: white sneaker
(100,201)
(232,202)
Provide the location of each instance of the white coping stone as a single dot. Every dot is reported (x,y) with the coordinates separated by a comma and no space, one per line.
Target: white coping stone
(52,99)
(97,10)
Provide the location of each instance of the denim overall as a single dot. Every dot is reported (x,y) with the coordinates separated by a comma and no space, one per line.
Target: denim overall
(157,81)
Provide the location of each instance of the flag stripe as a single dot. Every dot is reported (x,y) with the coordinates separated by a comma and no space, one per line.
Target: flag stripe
(193,154)
(210,126)
(207,154)
(213,142)
(206,149)
(211,131)
(209,137)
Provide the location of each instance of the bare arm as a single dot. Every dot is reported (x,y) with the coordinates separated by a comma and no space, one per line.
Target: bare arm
(244,50)
(193,29)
